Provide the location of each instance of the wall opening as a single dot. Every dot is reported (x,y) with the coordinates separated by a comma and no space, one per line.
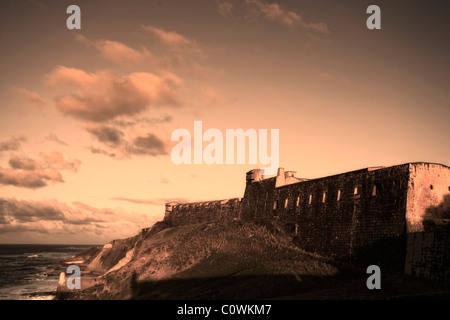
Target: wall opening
(339,193)
(376,190)
(298,200)
(310,199)
(324,197)
(286,203)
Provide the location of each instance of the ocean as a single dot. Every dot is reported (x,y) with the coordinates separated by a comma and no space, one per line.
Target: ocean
(29,272)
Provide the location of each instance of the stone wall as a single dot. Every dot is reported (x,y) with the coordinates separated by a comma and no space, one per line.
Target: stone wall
(197,212)
(428,255)
(428,221)
(329,217)
(363,215)
(428,206)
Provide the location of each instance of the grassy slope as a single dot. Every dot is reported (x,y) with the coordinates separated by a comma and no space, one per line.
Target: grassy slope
(239,261)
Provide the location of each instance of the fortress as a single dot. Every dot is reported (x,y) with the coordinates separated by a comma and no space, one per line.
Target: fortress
(396,217)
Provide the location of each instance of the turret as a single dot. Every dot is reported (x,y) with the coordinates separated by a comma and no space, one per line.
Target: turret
(253,175)
(169,208)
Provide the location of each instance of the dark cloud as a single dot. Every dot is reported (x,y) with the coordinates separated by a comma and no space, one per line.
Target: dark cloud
(108,135)
(60,219)
(109,104)
(4,229)
(83,221)
(12,143)
(29,173)
(116,142)
(54,138)
(147,145)
(3,219)
(29,211)
(101,151)
(23,163)
(28,178)
(21,211)
(164,118)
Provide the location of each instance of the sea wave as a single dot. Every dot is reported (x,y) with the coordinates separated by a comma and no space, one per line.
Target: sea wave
(28,272)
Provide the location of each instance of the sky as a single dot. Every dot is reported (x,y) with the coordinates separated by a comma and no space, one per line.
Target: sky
(86,116)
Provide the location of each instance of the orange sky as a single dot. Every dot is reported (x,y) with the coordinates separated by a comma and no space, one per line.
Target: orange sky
(87,115)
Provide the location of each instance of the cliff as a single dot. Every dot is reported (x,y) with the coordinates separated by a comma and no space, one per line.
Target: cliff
(237,260)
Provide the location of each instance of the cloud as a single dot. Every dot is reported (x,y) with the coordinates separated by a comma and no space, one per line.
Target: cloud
(139,201)
(55,160)
(83,221)
(25,172)
(13,212)
(275,13)
(61,219)
(23,163)
(54,138)
(15,229)
(117,142)
(101,151)
(12,144)
(28,211)
(175,42)
(86,207)
(115,51)
(224,8)
(170,38)
(156,202)
(103,95)
(147,145)
(28,179)
(108,135)
(30,96)
(123,123)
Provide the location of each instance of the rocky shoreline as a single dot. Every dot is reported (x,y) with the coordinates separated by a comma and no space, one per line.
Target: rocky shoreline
(88,277)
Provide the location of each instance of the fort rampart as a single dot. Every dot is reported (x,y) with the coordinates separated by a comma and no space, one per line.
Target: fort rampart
(367,215)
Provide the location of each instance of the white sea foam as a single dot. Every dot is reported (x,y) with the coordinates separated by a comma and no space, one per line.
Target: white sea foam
(30,272)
